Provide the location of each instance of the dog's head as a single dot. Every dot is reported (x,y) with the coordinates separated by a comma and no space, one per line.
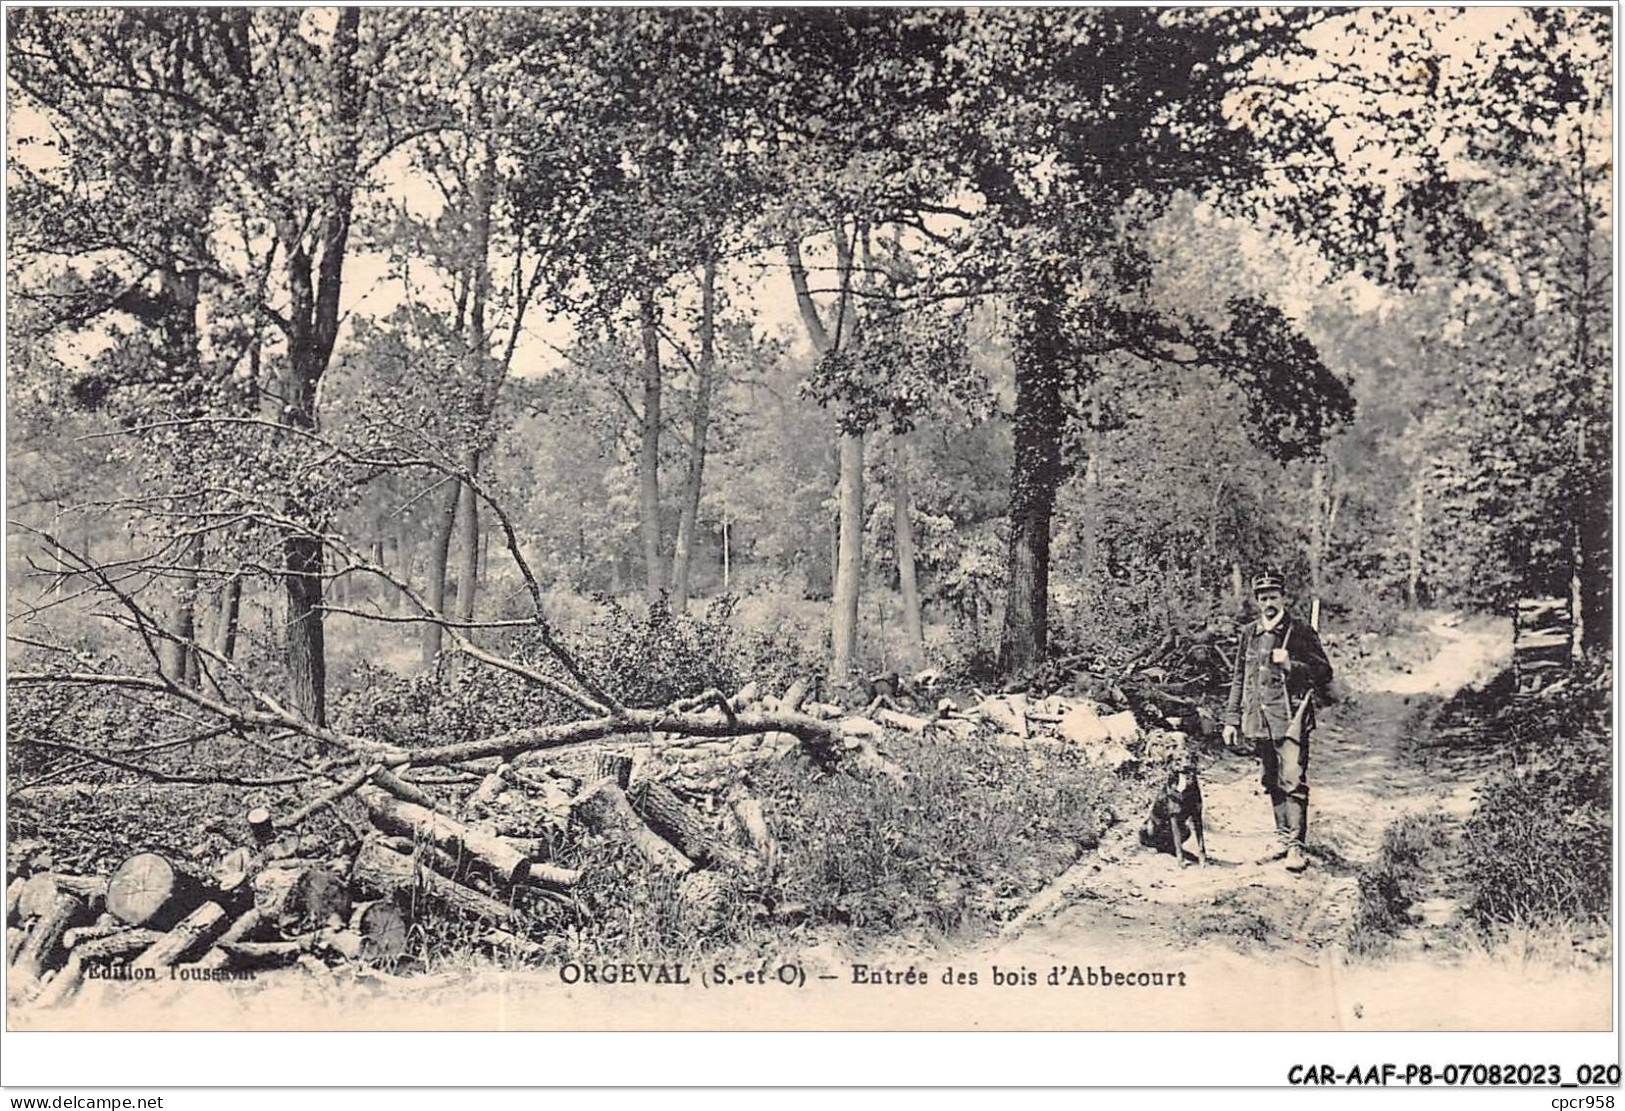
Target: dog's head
(1180,779)
(1173,756)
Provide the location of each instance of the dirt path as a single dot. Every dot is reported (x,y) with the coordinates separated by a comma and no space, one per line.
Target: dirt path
(1360,783)
(1247,925)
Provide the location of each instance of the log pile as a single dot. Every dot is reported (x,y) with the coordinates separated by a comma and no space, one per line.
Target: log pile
(1542,643)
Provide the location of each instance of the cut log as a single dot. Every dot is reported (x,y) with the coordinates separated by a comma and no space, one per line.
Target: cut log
(247,926)
(795,696)
(299,899)
(345,944)
(753,822)
(748,694)
(531,848)
(261,955)
(40,890)
(79,935)
(410,820)
(382,928)
(151,890)
(401,789)
(191,937)
(253,955)
(101,952)
(438,859)
(488,790)
(552,876)
(38,893)
(668,815)
(605,809)
(42,950)
(504,942)
(898,720)
(381,871)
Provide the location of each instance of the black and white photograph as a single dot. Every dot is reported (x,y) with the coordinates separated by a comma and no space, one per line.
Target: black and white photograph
(718,518)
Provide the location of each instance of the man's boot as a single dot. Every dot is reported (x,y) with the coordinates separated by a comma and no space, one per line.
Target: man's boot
(1283,830)
(1298,827)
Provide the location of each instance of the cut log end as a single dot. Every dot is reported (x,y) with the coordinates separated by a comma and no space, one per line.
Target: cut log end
(381,926)
(149,890)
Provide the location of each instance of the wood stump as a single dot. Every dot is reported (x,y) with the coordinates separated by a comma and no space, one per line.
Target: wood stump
(615,767)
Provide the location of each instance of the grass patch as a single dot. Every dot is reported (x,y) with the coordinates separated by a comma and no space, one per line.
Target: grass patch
(1415,853)
(976,831)
(1531,866)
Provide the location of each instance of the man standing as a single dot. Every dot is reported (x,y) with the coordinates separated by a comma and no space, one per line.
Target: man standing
(1279,666)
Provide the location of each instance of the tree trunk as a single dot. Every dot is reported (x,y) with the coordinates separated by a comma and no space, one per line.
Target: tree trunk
(1039,419)
(231,609)
(849,558)
(1592,512)
(468,545)
(848,545)
(1317,527)
(903,537)
(649,448)
(1089,527)
(307,650)
(1413,554)
(439,553)
(182,663)
(313,284)
(481,376)
(683,561)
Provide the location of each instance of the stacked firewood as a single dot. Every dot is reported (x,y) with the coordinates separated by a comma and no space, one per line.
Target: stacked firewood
(1543,644)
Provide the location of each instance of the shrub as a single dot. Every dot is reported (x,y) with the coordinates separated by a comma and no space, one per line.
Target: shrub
(1539,847)
(970,837)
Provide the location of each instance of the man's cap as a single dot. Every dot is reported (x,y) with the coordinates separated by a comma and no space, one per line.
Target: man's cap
(1268,580)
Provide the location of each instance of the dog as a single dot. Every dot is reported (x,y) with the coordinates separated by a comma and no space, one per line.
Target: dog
(1176,812)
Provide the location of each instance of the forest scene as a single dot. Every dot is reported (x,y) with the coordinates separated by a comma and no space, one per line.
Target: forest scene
(511,488)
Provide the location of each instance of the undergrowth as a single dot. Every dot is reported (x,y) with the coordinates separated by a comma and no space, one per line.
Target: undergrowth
(1535,856)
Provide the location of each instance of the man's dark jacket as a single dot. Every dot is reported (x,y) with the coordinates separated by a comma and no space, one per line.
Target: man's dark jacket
(1263,694)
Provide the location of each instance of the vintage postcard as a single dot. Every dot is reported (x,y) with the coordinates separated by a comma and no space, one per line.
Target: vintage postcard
(824,519)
